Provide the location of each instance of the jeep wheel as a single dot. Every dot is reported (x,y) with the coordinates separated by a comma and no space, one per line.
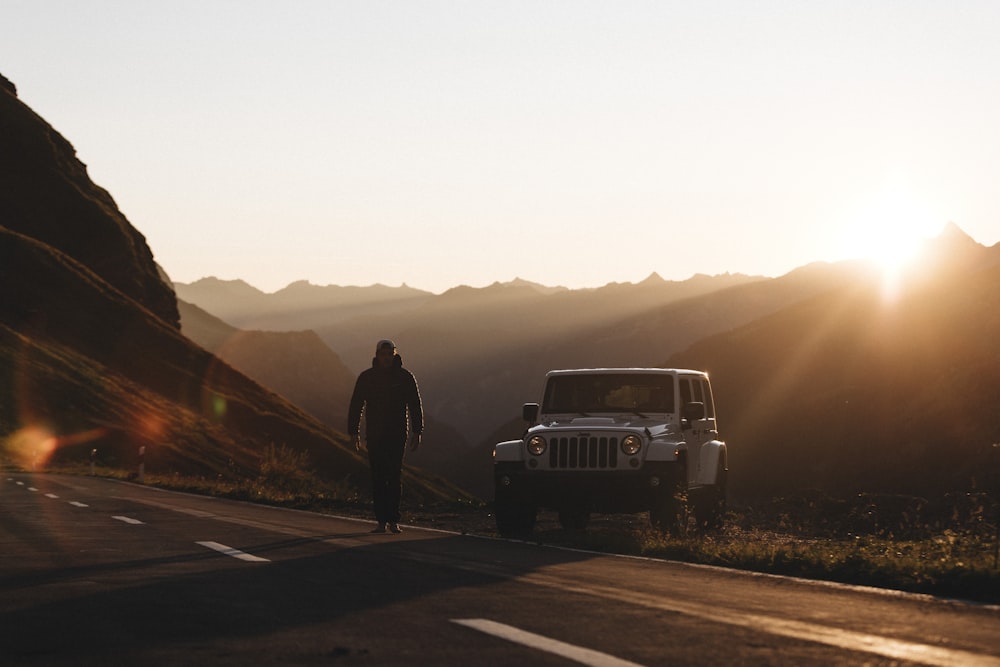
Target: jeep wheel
(514,519)
(711,505)
(574,518)
(669,509)
(668,512)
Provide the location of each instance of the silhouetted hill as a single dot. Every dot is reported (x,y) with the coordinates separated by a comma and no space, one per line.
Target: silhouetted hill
(851,390)
(90,351)
(82,357)
(45,193)
(295,364)
(951,252)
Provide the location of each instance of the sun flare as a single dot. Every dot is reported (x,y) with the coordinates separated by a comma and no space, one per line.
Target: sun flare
(889,231)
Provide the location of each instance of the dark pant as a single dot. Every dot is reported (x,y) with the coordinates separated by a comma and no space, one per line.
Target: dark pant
(385,458)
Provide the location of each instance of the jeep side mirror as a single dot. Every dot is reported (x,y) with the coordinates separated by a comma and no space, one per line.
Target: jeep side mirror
(529,412)
(690,412)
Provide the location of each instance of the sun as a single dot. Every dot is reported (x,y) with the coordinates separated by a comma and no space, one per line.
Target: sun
(889,230)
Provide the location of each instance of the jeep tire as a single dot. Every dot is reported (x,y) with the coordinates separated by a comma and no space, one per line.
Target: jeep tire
(710,505)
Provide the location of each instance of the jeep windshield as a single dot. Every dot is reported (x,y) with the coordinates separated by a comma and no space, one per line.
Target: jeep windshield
(631,393)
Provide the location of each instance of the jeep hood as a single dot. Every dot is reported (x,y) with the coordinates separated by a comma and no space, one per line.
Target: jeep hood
(655,426)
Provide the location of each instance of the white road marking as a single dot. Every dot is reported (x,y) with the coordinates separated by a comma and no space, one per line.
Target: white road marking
(850,640)
(19,483)
(128,519)
(31,488)
(579,654)
(235,553)
(76,503)
(51,495)
(899,649)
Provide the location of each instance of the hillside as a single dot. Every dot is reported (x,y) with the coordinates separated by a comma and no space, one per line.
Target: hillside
(295,364)
(90,351)
(83,358)
(45,193)
(852,391)
(301,368)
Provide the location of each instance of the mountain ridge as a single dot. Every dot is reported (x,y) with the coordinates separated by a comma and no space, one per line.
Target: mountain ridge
(46,193)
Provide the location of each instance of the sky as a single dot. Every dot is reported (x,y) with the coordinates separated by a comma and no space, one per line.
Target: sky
(570,143)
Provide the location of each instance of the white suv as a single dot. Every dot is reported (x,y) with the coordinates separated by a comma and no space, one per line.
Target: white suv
(614,440)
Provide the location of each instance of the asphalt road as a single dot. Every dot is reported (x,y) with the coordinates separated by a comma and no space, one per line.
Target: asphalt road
(98,572)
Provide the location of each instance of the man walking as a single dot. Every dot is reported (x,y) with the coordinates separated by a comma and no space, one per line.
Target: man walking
(387,394)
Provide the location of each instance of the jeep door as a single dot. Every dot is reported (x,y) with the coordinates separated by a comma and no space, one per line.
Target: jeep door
(698,432)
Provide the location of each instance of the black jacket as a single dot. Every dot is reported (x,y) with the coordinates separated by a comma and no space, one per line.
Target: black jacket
(386,395)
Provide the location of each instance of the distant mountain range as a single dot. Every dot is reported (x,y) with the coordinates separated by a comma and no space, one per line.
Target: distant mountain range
(481,352)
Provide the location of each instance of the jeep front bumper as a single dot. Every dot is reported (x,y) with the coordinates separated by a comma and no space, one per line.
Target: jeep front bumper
(599,491)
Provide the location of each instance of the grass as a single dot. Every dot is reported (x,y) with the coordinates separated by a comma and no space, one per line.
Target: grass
(949,564)
(952,555)
(283,477)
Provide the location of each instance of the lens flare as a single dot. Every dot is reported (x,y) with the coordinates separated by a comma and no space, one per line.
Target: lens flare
(152,427)
(31,447)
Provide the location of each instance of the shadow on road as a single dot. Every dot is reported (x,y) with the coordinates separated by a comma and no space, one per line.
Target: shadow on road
(203,598)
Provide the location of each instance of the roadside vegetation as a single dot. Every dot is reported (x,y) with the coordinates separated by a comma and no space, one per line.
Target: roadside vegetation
(949,548)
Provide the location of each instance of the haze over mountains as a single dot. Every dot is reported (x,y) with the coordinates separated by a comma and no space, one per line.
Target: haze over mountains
(821,381)
(479,353)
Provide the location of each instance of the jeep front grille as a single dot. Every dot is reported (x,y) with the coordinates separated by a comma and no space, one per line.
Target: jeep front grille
(583,452)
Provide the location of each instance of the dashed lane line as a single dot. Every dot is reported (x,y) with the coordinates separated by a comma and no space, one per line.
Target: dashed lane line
(221,548)
(128,519)
(579,654)
(235,553)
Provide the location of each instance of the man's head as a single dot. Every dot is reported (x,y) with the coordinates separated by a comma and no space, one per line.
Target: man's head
(385,352)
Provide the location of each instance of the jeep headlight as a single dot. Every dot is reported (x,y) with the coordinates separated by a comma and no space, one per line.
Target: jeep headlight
(536,445)
(631,444)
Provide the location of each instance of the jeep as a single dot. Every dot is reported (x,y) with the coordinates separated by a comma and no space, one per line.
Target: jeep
(614,440)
